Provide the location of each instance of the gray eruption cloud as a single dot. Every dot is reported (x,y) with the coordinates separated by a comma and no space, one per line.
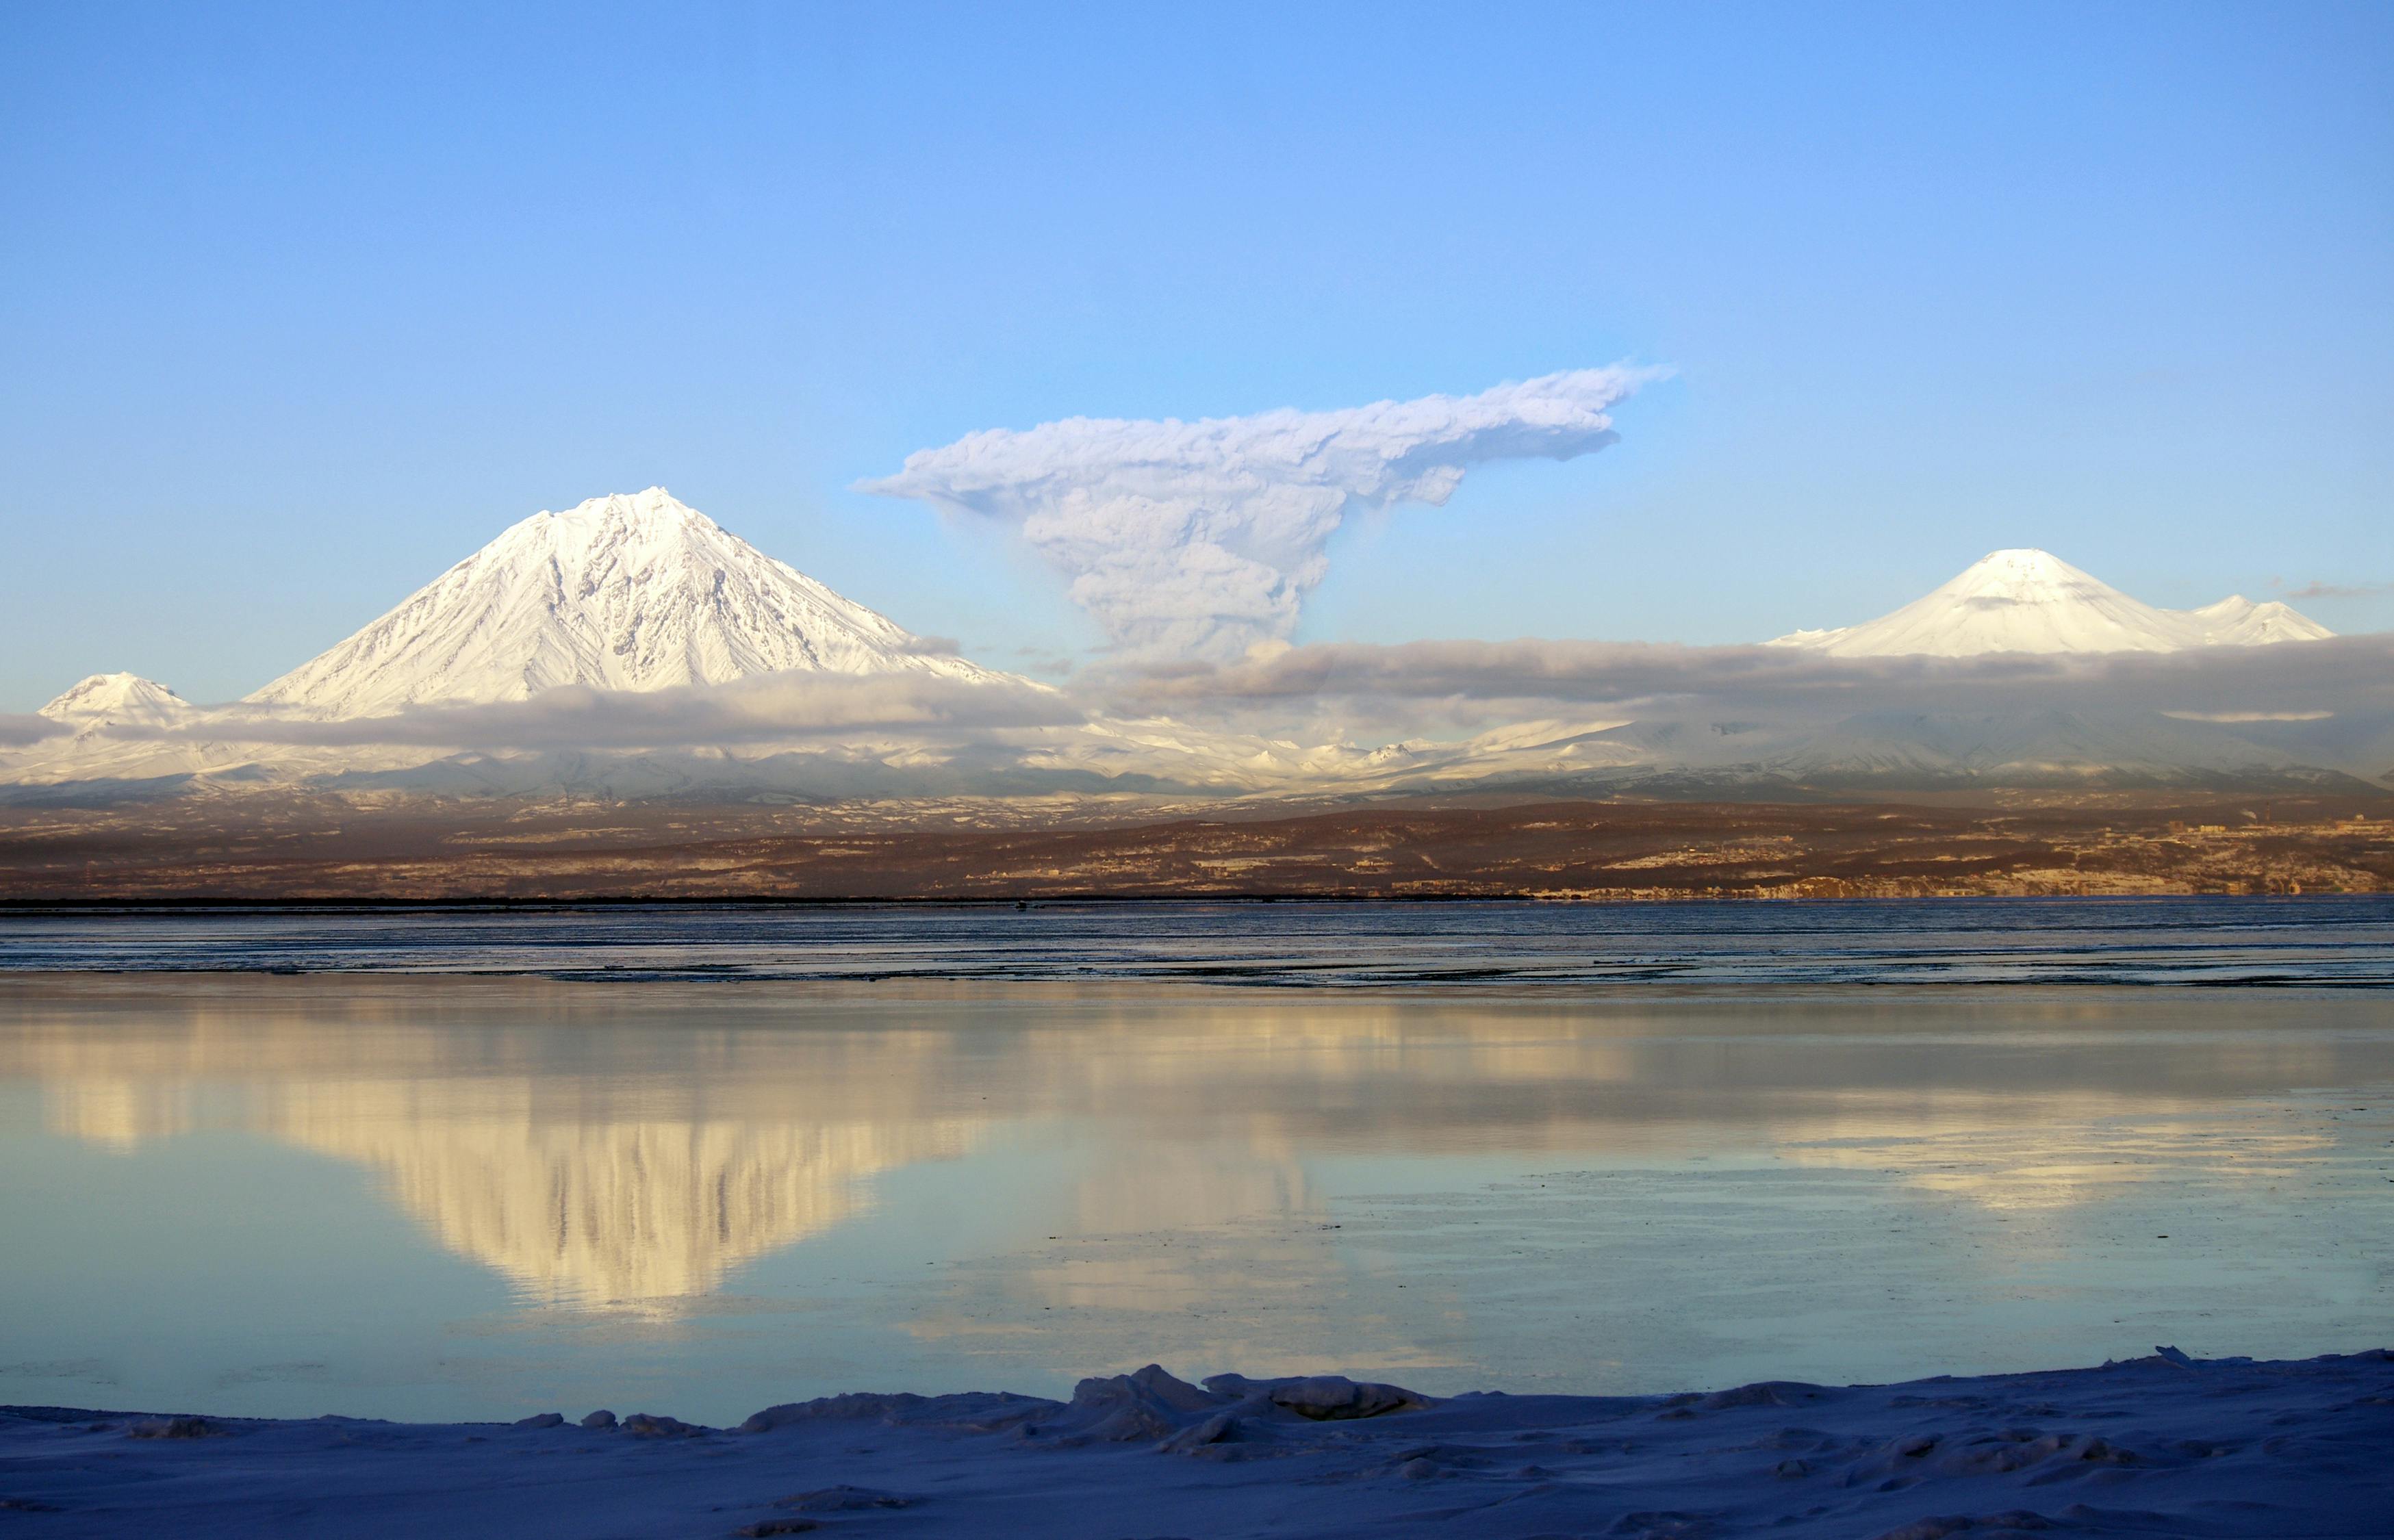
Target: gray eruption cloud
(1200,539)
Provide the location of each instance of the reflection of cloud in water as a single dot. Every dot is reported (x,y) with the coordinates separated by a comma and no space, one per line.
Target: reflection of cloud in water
(1158,1195)
(1144,1186)
(2082,1149)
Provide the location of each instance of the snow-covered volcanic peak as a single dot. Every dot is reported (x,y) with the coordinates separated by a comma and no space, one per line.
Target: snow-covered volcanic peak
(2237,620)
(2033,601)
(118,700)
(620,593)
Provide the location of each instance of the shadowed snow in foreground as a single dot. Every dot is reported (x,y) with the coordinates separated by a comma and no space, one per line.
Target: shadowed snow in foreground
(2159,1445)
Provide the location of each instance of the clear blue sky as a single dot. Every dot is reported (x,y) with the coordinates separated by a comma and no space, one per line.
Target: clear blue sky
(298,305)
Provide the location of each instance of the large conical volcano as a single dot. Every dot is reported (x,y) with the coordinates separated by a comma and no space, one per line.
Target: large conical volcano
(2033,601)
(638,592)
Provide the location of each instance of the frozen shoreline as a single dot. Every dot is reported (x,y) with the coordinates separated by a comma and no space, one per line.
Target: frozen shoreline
(2156,1445)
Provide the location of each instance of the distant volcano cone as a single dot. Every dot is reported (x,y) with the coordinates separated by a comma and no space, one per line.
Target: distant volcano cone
(636,592)
(2033,601)
(118,700)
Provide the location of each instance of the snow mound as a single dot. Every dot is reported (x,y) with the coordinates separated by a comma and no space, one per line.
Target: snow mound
(2153,1446)
(2033,601)
(628,592)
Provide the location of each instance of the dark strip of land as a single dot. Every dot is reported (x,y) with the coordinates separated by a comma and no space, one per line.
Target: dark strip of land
(1580,850)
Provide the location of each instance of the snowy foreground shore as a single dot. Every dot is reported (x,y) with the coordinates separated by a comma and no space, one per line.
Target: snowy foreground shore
(2163,1445)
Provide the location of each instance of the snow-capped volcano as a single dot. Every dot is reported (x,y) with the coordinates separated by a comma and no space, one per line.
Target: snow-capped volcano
(2237,620)
(118,700)
(628,592)
(2033,601)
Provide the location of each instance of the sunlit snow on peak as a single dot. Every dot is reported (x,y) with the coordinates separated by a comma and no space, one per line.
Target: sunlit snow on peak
(635,591)
(2028,600)
(120,699)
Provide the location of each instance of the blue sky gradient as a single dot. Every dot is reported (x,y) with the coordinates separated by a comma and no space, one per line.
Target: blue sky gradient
(300,304)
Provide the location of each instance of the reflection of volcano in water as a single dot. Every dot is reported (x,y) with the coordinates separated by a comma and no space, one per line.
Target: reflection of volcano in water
(598,1144)
(576,1212)
(586,1213)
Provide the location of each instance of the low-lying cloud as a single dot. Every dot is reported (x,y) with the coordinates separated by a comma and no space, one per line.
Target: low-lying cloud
(770,708)
(1198,539)
(1359,691)
(16,731)
(2341,674)
(1440,713)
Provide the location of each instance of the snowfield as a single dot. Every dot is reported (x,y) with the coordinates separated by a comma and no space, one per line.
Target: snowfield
(2162,1445)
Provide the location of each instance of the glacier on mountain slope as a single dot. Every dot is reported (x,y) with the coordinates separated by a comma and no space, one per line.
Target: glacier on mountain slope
(2032,602)
(639,592)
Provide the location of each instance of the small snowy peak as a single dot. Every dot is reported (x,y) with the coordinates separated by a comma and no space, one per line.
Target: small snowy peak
(2008,602)
(118,700)
(2032,602)
(2237,620)
(630,592)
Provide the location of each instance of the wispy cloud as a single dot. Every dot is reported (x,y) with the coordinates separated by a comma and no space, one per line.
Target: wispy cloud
(1201,538)
(2316,590)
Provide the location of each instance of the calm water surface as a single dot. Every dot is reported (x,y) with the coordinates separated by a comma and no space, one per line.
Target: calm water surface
(416,1193)
(2317,941)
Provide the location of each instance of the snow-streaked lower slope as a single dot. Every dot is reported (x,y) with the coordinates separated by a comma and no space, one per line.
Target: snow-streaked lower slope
(2033,601)
(638,592)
